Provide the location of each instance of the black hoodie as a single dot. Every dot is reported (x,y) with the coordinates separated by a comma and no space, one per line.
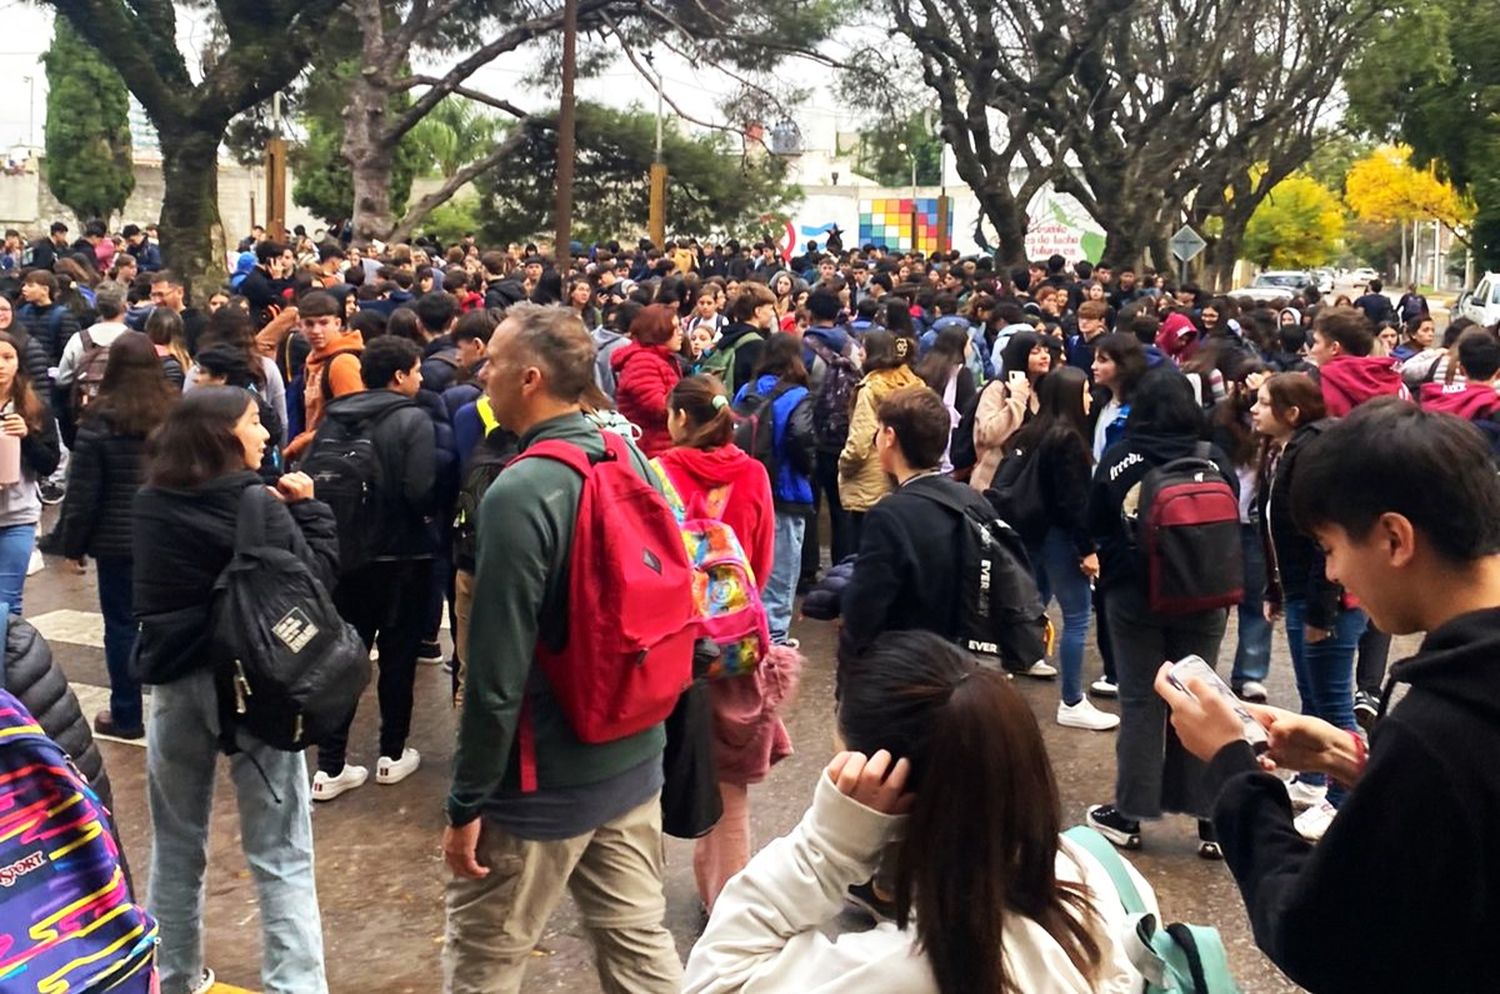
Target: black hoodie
(1403,893)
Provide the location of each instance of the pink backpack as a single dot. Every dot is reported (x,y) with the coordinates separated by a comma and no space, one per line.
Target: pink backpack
(725,590)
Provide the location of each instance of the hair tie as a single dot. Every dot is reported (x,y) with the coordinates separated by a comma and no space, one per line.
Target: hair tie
(720,402)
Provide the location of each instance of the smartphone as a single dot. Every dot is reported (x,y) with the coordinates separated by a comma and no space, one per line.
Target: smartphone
(1016,377)
(1194,667)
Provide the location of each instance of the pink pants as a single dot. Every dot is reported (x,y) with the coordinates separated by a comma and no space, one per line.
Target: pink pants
(724,851)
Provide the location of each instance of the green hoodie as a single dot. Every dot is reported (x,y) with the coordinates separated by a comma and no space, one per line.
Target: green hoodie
(525,540)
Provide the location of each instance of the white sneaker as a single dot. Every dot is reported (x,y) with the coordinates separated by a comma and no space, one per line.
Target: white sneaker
(36,564)
(390,770)
(1085,715)
(1104,687)
(1305,795)
(326,788)
(1041,670)
(205,982)
(1313,823)
(1253,691)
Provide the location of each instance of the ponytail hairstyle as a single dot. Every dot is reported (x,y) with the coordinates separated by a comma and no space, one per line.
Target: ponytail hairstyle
(982,840)
(710,421)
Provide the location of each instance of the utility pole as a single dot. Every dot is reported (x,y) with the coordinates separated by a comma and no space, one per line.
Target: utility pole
(657,222)
(276,177)
(31,112)
(566,151)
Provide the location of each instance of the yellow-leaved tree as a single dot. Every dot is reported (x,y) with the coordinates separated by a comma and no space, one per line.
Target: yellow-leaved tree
(1297,226)
(1385,187)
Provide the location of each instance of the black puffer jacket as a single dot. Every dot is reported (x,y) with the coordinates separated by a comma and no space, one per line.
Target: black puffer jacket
(183,539)
(40,685)
(104,473)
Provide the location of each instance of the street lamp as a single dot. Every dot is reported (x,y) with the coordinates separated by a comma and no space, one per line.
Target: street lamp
(911,153)
(30,81)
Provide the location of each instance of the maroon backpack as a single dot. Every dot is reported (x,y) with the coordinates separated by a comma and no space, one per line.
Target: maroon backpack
(1188,534)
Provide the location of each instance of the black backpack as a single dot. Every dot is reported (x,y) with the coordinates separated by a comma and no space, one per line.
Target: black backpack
(1016,493)
(961,450)
(493,453)
(288,669)
(834,404)
(1000,612)
(350,479)
(755,426)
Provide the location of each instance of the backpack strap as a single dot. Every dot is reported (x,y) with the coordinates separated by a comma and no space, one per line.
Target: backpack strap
(1203,450)
(250,521)
(86,339)
(1100,848)
(943,496)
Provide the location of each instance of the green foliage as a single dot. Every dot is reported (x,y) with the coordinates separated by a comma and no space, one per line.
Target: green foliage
(452,135)
(1297,226)
(1430,76)
(710,187)
(323,181)
(881,156)
(1334,156)
(451,221)
(89,165)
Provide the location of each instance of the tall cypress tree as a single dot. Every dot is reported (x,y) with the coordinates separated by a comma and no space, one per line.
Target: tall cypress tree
(89,164)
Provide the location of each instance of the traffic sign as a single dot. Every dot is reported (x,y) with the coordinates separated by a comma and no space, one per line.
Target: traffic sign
(1187,244)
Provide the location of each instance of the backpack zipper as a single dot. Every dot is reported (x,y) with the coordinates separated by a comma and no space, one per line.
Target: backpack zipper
(241,687)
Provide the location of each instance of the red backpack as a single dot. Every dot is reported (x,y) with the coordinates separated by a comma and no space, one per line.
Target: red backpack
(1189,537)
(628,652)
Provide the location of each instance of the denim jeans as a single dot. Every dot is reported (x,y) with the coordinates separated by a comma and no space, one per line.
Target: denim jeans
(780,590)
(1325,675)
(16,543)
(1055,564)
(1252,657)
(115,574)
(275,833)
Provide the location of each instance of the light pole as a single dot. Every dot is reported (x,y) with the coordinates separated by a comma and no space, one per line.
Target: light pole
(31,112)
(911,153)
(657,217)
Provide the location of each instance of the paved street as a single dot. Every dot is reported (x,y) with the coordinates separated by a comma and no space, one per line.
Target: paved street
(379,870)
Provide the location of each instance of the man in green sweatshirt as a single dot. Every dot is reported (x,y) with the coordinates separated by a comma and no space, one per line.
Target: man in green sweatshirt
(593,823)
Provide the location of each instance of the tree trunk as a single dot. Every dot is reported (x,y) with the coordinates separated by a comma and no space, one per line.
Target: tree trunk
(371,158)
(192,235)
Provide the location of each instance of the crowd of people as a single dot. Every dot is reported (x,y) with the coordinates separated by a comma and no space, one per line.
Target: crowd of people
(438,426)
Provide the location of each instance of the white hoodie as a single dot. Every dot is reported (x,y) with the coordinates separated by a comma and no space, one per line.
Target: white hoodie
(773,929)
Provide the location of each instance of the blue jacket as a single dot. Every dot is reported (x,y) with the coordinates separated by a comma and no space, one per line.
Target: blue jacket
(793,442)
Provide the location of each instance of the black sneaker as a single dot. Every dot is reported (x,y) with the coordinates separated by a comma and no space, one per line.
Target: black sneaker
(1366,709)
(430,652)
(1208,841)
(52,493)
(1108,822)
(863,897)
(50,544)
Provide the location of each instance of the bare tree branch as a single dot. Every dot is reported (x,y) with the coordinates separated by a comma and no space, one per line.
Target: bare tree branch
(419,211)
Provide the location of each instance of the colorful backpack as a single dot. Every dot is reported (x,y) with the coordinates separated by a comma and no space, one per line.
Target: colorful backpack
(724,586)
(67,919)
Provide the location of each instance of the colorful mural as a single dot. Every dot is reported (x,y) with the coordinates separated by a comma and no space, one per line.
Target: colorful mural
(888,221)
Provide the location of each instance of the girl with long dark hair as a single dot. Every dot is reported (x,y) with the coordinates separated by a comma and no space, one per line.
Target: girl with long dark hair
(948,777)
(106,469)
(945,369)
(199,464)
(29,452)
(1063,556)
(1009,400)
(1234,432)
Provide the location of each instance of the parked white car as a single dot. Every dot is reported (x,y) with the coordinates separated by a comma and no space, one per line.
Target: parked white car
(1276,284)
(1482,306)
(1362,276)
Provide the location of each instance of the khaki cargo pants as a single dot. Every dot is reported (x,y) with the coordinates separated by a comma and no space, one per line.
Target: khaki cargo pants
(615,876)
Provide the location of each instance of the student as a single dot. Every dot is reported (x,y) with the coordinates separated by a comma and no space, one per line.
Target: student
(25,422)
(1473,397)
(1063,557)
(1407,506)
(945,369)
(43,316)
(1154,776)
(645,371)
(385,598)
(708,469)
(332,368)
(1347,373)
(1321,632)
(948,772)
(1234,433)
(862,480)
(106,470)
(198,464)
(1418,335)
(1008,402)
(782,378)
(740,342)
(593,823)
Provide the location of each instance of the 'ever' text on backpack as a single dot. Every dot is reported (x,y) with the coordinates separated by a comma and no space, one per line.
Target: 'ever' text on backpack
(725,589)
(1187,529)
(68,921)
(1000,612)
(627,654)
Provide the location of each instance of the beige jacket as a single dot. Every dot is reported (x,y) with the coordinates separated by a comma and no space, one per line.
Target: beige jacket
(861,480)
(1000,414)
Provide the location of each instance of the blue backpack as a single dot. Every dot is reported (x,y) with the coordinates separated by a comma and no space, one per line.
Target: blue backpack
(1176,959)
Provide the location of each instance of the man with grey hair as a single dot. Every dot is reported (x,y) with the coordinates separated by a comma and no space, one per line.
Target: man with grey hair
(591,820)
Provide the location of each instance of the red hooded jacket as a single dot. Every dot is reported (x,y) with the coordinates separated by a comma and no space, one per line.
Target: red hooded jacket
(1468,401)
(1178,337)
(644,378)
(1349,381)
(748,507)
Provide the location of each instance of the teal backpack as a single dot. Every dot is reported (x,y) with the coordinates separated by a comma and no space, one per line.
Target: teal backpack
(1177,959)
